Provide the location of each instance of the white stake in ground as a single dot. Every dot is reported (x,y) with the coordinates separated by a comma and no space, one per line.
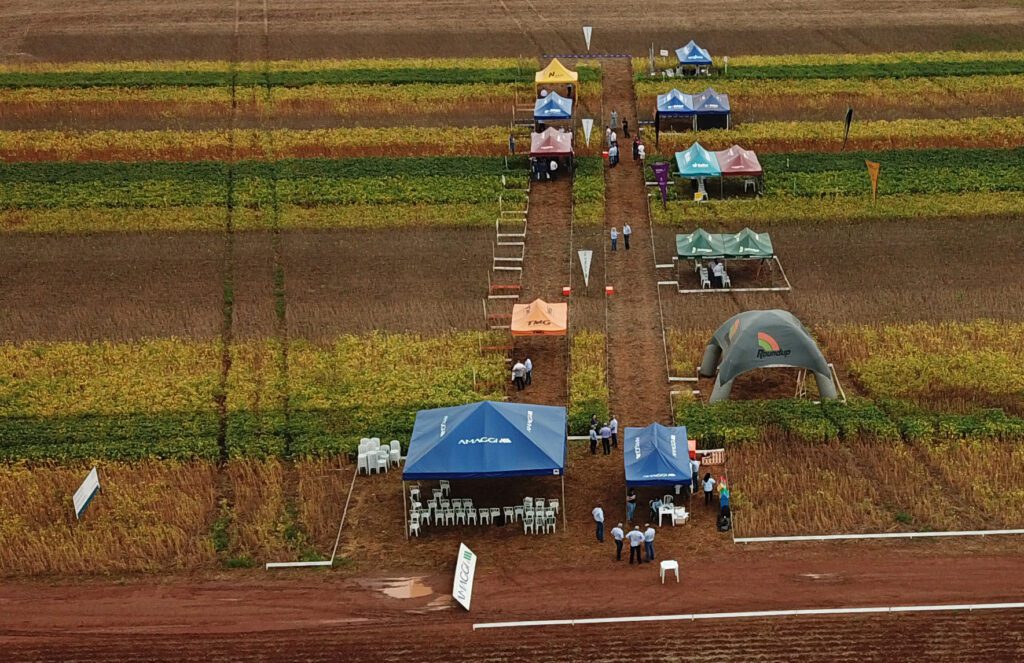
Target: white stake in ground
(585,257)
(587,32)
(588,127)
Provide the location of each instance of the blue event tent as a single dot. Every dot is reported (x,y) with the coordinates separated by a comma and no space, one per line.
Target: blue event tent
(675,104)
(697,162)
(710,102)
(552,107)
(692,54)
(487,440)
(656,456)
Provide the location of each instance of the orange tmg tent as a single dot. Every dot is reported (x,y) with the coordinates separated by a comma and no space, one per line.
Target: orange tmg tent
(539,318)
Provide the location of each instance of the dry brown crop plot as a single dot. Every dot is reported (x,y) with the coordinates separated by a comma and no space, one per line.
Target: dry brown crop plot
(118,287)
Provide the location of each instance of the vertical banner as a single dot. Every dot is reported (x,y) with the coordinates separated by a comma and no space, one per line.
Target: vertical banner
(585,256)
(465,569)
(86,492)
(849,121)
(588,126)
(661,174)
(587,32)
(873,170)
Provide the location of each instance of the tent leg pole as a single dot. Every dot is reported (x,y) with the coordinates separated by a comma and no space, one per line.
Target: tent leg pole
(405,512)
(564,520)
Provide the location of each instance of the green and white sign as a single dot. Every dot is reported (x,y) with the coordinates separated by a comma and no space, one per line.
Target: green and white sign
(465,569)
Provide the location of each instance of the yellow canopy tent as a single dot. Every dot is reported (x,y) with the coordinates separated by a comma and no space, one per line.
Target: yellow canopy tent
(539,318)
(555,74)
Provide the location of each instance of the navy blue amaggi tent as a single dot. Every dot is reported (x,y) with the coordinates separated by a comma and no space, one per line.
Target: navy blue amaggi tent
(656,456)
(488,440)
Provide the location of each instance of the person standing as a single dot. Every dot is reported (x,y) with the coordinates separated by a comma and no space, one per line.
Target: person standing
(709,488)
(614,139)
(608,136)
(636,149)
(528,366)
(593,439)
(695,475)
(606,439)
(630,504)
(614,124)
(553,168)
(598,513)
(615,238)
(627,230)
(594,423)
(519,375)
(636,537)
(723,499)
(618,535)
(512,144)
(625,127)
(649,542)
(613,155)
(614,423)
(718,274)
(641,151)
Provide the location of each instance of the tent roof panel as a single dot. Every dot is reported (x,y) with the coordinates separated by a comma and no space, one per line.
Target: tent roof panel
(551,142)
(552,107)
(710,102)
(540,318)
(656,455)
(737,161)
(693,54)
(697,162)
(675,102)
(766,339)
(555,73)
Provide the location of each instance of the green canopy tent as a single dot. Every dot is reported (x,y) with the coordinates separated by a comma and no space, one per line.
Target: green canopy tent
(699,244)
(748,244)
(763,339)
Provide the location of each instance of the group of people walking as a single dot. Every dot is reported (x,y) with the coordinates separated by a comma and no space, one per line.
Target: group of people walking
(522,374)
(607,432)
(635,536)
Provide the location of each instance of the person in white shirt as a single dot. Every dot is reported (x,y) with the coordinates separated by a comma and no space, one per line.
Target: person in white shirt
(709,488)
(599,519)
(519,375)
(618,535)
(718,272)
(543,92)
(614,423)
(606,439)
(695,474)
(627,230)
(649,542)
(636,537)
(615,238)
(641,152)
(613,154)
(528,365)
(552,169)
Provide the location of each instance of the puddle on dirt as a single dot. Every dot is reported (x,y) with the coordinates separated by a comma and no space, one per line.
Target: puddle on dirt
(399,588)
(439,603)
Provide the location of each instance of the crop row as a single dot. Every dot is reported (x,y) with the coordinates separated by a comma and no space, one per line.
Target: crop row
(588,192)
(157,398)
(306,182)
(588,385)
(892,65)
(275,77)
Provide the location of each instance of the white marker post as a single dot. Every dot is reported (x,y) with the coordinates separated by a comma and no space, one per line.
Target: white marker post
(585,256)
(588,127)
(86,492)
(587,32)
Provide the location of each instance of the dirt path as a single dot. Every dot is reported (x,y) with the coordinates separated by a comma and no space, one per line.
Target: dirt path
(545,271)
(637,372)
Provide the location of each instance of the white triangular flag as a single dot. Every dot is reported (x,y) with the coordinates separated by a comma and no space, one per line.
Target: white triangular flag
(585,257)
(587,31)
(588,126)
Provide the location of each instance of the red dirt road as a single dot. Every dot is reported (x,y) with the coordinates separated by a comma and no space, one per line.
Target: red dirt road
(315,616)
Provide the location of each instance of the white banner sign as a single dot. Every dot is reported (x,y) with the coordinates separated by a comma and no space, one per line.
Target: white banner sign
(587,31)
(85,492)
(588,126)
(585,257)
(664,52)
(465,569)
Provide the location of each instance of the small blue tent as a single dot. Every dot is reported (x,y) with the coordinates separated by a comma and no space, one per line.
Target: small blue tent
(692,54)
(697,162)
(552,107)
(487,440)
(656,456)
(710,102)
(675,104)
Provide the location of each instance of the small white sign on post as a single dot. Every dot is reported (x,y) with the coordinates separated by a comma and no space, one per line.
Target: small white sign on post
(585,256)
(86,492)
(587,32)
(465,570)
(588,127)
(725,61)
(664,52)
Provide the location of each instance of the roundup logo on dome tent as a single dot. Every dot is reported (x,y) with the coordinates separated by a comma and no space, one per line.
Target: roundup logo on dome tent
(769,347)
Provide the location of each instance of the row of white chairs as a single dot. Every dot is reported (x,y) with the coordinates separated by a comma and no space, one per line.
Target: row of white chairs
(374,457)
(539,525)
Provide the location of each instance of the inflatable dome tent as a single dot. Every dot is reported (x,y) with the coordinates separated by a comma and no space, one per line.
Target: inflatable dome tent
(763,339)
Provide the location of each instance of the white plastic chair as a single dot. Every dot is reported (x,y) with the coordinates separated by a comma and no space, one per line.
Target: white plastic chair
(553,504)
(414,527)
(528,524)
(471,514)
(705,282)
(425,517)
(726,283)
(433,507)
(396,446)
(518,512)
(448,516)
(467,502)
(509,514)
(485,516)
(549,525)
(414,493)
(372,463)
(495,513)
(363,463)
(395,457)
(538,502)
(375,441)
(384,459)
(446,504)
(446,488)
(460,514)
(436,492)
(667,499)
(528,502)
(669,565)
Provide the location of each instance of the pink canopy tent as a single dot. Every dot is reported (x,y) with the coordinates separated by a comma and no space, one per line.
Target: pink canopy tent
(738,162)
(551,143)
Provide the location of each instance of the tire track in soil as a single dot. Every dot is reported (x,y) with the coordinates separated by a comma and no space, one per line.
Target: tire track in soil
(545,271)
(636,358)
